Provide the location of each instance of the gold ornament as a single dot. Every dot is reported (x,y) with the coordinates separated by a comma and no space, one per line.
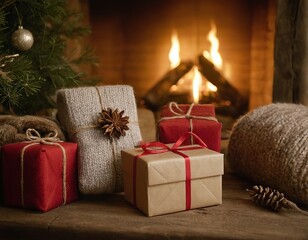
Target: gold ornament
(112,123)
(22,39)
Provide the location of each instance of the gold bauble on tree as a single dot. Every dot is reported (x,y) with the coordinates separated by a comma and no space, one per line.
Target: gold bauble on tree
(22,39)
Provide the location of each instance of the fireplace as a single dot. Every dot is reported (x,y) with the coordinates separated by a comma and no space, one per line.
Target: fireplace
(132,40)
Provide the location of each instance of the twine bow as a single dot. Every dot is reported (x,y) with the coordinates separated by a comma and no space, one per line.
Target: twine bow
(178,114)
(34,138)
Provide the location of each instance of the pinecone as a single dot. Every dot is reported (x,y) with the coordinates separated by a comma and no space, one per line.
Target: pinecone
(267,197)
(112,123)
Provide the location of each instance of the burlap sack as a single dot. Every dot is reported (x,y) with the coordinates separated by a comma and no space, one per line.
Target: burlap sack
(270,147)
(99,160)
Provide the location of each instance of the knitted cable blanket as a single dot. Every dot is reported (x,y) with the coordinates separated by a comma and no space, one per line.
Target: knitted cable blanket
(99,157)
(270,146)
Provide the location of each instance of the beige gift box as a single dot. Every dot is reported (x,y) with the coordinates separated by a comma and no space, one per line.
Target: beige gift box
(160,180)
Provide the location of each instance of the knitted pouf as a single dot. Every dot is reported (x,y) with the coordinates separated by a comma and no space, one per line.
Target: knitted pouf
(270,146)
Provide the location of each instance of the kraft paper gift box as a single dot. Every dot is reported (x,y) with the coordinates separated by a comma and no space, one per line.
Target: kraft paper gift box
(177,119)
(39,180)
(160,183)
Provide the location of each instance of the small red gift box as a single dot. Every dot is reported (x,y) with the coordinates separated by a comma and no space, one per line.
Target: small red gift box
(200,119)
(39,176)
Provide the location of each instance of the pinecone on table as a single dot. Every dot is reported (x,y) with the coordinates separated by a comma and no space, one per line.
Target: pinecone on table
(267,197)
(273,199)
(112,123)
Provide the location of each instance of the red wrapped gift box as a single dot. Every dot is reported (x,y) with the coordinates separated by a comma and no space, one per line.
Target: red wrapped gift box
(39,181)
(200,119)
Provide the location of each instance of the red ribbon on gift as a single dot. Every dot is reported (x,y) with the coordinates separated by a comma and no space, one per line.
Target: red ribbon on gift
(157,148)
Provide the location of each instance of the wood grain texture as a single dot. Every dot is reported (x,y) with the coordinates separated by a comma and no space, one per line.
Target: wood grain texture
(111,217)
(291,51)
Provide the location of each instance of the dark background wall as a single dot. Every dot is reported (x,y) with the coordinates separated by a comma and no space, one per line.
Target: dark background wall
(291,52)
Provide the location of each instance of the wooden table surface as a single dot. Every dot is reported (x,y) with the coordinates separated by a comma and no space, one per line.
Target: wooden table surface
(111,217)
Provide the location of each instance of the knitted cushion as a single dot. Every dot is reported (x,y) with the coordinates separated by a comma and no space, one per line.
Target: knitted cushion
(99,160)
(270,146)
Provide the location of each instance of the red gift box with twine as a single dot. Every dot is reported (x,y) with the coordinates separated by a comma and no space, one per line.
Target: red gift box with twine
(178,119)
(40,173)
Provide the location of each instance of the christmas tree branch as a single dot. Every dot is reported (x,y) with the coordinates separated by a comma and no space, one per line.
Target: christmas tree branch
(7,58)
(28,82)
(7,3)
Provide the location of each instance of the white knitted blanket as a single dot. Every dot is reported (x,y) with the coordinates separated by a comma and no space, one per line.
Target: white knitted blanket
(270,146)
(99,160)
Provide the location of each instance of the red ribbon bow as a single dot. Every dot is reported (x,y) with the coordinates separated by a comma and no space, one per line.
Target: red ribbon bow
(158,147)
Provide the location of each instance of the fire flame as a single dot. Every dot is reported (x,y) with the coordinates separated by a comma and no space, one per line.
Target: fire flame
(211,87)
(197,82)
(174,53)
(214,55)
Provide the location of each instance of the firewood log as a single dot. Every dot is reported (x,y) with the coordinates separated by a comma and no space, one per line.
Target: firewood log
(225,90)
(157,96)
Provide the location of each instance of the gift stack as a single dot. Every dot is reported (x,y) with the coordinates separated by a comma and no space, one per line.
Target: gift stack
(42,172)
(181,172)
(162,178)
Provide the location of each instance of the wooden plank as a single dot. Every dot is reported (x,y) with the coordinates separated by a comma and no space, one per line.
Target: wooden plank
(286,84)
(111,217)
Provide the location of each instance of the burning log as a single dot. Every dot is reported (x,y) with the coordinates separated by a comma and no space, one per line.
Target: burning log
(238,104)
(157,96)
